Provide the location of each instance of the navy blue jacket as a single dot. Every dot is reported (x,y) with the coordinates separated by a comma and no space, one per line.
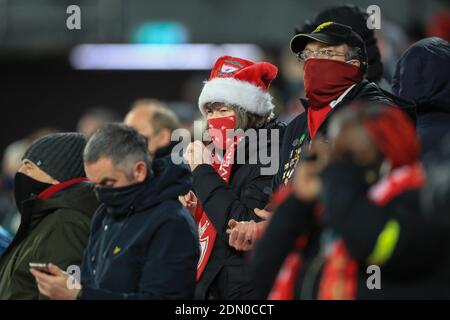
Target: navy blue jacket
(144,244)
(422,75)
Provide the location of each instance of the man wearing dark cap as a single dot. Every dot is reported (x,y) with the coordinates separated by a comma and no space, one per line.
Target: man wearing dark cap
(334,60)
(355,17)
(335,63)
(56,204)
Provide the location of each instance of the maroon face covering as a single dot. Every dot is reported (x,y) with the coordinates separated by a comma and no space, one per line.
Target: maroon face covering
(325,80)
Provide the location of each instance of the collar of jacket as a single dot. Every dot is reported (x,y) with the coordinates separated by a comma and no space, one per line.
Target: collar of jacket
(364,91)
(124,201)
(54,189)
(165,151)
(79,197)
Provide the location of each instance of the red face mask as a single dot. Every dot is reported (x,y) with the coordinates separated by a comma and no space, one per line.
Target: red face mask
(325,80)
(217,129)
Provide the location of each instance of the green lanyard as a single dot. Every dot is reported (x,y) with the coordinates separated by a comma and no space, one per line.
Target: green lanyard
(302,138)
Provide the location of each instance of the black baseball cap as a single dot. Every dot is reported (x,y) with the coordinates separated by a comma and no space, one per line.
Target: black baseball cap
(332,33)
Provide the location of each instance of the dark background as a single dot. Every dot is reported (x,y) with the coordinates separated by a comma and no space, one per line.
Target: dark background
(39,87)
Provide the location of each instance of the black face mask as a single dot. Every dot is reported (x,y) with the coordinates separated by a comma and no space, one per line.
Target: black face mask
(26,187)
(119,201)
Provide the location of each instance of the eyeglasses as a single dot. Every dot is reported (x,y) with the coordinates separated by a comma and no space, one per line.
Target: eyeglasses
(321,54)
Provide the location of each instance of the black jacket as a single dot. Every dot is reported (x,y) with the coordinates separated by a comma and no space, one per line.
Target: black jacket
(147,250)
(418,265)
(54,230)
(293,144)
(226,275)
(422,75)
(296,138)
(165,151)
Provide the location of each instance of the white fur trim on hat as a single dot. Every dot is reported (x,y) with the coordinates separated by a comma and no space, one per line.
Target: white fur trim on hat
(235,92)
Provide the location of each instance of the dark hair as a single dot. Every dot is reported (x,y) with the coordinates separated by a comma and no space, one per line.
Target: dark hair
(119,142)
(358,54)
(245,120)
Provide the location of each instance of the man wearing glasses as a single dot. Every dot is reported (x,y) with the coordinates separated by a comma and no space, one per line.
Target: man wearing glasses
(334,60)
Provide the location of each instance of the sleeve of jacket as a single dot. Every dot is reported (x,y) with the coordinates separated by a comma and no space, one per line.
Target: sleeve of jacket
(292,219)
(392,236)
(169,271)
(64,245)
(221,202)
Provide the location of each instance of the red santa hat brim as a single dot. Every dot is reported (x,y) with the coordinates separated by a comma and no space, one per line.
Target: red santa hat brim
(235,92)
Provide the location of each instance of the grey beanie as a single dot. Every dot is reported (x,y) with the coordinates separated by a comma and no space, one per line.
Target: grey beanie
(60,155)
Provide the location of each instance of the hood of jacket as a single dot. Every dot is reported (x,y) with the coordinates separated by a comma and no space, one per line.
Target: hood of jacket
(422,75)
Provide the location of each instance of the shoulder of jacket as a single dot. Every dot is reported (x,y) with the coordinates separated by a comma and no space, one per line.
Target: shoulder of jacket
(68,216)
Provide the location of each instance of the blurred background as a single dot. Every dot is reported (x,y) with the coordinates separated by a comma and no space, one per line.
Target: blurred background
(60,79)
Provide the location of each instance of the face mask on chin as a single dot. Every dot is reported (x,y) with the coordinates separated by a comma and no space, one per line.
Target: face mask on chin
(325,80)
(26,187)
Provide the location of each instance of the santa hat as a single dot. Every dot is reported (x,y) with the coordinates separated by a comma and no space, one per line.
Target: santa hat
(240,82)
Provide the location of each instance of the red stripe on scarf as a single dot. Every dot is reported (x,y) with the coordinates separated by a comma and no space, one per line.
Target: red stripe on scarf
(50,191)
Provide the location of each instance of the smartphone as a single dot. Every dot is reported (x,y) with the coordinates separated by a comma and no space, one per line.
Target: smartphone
(39,266)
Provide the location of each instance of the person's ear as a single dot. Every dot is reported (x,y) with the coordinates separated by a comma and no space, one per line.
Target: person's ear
(140,171)
(355,62)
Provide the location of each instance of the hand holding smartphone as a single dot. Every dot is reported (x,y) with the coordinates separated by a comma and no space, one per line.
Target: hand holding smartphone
(43,267)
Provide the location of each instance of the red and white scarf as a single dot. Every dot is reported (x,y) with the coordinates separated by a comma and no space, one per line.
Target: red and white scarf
(207,232)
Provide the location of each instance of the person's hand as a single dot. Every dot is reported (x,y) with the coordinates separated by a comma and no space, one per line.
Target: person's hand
(55,285)
(307,183)
(263,213)
(241,234)
(197,153)
(189,201)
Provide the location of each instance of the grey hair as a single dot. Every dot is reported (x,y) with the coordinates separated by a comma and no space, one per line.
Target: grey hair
(119,142)
(358,54)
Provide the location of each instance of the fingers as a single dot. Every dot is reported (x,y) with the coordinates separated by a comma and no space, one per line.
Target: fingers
(44,289)
(55,270)
(234,233)
(232,223)
(192,197)
(41,276)
(241,235)
(248,244)
(241,238)
(263,214)
(182,201)
(188,200)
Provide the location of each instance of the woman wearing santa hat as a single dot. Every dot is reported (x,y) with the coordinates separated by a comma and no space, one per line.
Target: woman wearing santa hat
(235,97)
